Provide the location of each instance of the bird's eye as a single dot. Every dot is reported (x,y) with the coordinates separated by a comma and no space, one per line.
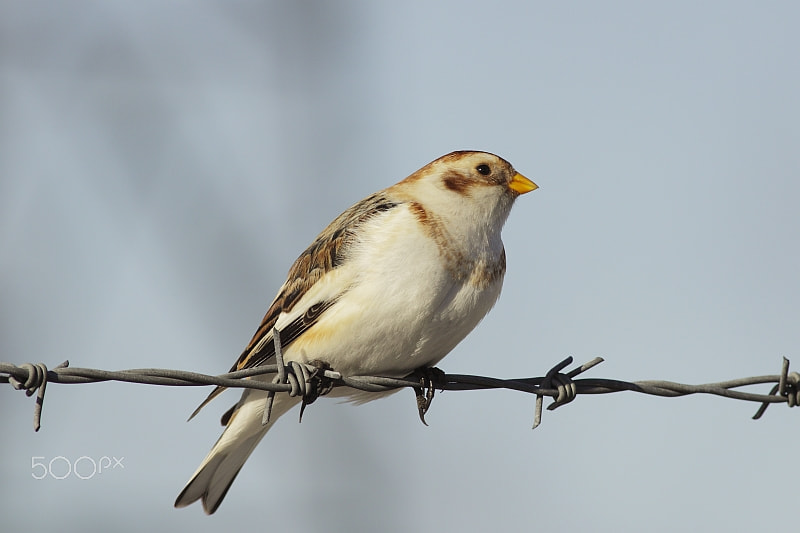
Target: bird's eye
(483,170)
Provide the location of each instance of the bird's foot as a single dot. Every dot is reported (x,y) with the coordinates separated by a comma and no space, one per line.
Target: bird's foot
(429,378)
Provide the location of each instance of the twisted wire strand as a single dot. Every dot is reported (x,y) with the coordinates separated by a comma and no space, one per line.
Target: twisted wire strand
(296,379)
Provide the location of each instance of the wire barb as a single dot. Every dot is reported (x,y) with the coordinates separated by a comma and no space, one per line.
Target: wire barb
(280,378)
(566,389)
(788,387)
(36,380)
(315,382)
(310,381)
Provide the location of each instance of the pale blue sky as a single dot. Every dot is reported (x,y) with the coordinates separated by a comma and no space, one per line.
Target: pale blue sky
(163,163)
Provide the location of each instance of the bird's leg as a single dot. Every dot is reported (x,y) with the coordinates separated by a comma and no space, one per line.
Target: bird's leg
(428,377)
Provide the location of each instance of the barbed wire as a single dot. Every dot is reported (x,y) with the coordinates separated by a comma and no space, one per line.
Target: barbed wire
(310,382)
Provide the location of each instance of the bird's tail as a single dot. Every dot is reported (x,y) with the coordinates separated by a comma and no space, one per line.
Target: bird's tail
(244,431)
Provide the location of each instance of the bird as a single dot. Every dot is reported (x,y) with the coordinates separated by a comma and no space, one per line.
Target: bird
(391,286)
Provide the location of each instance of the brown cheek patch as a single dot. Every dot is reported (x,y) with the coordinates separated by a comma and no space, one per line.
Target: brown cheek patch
(457,183)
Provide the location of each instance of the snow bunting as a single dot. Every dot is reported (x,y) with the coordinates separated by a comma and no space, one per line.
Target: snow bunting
(390,286)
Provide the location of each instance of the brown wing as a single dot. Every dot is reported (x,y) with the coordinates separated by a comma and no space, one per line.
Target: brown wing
(326,253)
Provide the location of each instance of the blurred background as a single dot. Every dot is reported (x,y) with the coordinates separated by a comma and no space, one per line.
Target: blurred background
(162,164)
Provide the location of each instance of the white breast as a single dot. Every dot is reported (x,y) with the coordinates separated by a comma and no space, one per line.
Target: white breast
(401,308)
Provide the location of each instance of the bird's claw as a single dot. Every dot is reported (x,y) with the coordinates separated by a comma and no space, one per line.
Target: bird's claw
(428,377)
